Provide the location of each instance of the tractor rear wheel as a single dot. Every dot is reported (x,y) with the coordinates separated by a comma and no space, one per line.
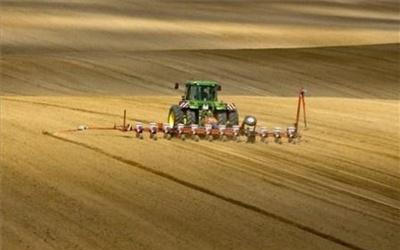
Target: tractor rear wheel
(222,117)
(175,116)
(191,117)
(233,118)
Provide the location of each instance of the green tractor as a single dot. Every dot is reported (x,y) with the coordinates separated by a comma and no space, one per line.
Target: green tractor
(201,106)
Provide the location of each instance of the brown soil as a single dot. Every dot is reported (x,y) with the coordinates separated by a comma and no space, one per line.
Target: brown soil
(73,62)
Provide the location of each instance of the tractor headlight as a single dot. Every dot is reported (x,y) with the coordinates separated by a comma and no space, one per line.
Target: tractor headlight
(250,120)
(205,106)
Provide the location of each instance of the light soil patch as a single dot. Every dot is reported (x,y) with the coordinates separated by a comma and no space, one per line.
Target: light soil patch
(170,25)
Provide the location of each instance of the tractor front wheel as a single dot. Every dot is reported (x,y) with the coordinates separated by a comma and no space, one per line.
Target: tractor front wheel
(175,116)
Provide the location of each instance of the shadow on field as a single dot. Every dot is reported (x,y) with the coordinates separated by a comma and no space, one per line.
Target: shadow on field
(369,71)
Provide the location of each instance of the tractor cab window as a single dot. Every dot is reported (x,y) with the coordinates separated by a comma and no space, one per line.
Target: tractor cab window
(207,93)
(201,93)
(191,93)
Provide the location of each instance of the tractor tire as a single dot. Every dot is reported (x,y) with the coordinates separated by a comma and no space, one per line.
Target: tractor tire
(191,117)
(233,118)
(175,116)
(222,117)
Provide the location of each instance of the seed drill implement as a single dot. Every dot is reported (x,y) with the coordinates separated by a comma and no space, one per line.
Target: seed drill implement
(200,115)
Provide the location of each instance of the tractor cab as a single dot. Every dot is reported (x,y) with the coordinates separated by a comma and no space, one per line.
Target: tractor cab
(200,106)
(202,91)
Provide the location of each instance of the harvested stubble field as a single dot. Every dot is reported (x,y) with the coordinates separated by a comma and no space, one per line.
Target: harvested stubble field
(68,63)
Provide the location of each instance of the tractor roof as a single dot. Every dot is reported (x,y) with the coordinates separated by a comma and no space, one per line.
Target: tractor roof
(202,82)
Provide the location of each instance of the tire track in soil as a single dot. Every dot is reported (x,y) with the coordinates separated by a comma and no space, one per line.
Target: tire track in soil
(74,109)
(278,156)
(276,179)
(281,158)
(217,154)
(206,191)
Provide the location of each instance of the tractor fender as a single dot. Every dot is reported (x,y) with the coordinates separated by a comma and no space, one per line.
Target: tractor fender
(231,107)
(184,104)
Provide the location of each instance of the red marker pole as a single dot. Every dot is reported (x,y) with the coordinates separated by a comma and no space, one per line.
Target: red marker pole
(304,108)
(296,125)
(301,102)
(124,124)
